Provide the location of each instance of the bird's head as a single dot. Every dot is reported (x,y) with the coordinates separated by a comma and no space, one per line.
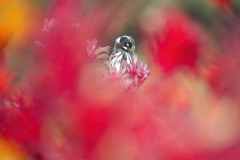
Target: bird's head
(125,43)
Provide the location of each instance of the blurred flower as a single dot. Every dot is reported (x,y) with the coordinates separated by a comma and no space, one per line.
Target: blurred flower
(4,38)
(63,106)
(222,78)
(15,19)
(11,151)
(174,41)
(223,4)
(5,79)
(19,118)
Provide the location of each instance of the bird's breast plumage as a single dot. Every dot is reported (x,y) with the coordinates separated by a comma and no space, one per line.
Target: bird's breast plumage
(120,62)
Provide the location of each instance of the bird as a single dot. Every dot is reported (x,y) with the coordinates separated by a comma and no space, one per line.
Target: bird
(121,61)
(122,57)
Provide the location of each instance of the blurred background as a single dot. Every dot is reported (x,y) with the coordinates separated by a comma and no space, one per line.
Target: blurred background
(55,103)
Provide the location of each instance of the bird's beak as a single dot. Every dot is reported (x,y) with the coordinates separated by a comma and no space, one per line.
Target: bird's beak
(125,48)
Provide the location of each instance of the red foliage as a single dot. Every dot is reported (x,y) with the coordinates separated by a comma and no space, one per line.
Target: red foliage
(221,76)
(69,120)
(19,118)
(223,4)
(175,44)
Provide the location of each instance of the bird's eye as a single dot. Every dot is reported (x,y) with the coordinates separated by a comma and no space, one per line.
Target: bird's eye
(128,44)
